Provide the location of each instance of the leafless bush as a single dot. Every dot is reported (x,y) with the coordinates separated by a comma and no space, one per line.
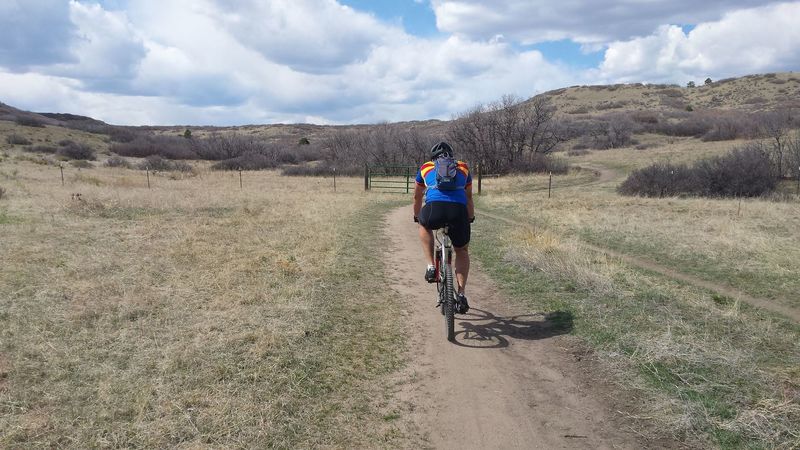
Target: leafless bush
(29,121)
(118,134)
(603,106)
(318,170)
(647,117)
(745,172)
(76,151)
(81,164)
(155,162)
(755,100)
(658,180)
(17,139)
(540,163)
(579,110)
(2,192)
(578,151)
(47,149)
(170,147)
(776,126)
(793,155)
(248,161)
(117,161)
(672,93)
(507,133)
(386,144)
(610,132)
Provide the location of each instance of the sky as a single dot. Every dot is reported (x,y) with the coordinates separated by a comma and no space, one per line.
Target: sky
(236,62)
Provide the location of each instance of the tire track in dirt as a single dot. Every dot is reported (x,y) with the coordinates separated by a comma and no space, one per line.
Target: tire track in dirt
(508,381)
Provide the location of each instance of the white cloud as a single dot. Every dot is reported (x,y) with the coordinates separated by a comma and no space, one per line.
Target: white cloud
(106,48)
(583,21)
(746,41)
(209,62)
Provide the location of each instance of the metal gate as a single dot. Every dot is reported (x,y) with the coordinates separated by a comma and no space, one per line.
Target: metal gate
(393,179)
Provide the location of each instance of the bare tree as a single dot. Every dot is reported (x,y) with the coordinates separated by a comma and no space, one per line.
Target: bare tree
(777,126)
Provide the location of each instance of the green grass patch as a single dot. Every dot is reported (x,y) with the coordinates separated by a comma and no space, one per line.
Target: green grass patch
(723,373)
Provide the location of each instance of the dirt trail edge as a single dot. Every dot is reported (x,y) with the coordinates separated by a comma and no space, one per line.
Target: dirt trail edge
(508,381)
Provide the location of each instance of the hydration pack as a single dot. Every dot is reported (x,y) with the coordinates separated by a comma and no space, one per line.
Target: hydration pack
(446,169)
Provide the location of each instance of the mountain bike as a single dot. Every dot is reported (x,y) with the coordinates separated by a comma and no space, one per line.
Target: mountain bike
(443,255)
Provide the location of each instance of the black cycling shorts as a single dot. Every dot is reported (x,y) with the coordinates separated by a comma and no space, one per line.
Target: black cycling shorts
(436,215)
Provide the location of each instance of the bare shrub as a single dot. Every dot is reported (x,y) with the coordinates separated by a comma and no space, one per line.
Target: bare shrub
(170,147)
(318,170)
(122,135)
(648,117)
(776,126)
(2,192)
(755,100)
(29,121)
(672,93)
(47,149)
(539,163)
(577,151)
(76,151)
(659,180)
(506,133)
(248,161)
(81,164)
(117,161)
(155,162)
(611,132)
(603,106)
(745,172)
(579,110)
(17,139)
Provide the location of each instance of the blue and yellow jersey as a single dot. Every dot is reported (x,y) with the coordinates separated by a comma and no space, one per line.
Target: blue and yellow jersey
(426,176)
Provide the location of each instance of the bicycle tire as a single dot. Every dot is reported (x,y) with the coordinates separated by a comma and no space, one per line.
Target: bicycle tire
(449,304)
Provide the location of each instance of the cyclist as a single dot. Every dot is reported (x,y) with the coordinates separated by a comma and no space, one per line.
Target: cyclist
(452,207)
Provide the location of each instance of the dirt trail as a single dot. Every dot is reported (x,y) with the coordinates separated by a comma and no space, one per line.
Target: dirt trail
(508,381)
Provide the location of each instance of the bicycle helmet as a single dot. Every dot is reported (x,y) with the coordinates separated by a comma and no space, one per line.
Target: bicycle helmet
(440,149)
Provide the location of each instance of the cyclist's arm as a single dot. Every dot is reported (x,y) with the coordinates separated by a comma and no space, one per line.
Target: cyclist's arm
(470,204)
(419,194)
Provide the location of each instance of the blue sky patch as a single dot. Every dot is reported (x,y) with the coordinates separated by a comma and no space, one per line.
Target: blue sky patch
(567,52)
(417,17)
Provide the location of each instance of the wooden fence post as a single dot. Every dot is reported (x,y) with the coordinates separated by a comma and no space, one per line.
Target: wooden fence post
(480,177)
(366,177)
(61,166)
(147,171)
(549,185)
(241,186)
(334,179)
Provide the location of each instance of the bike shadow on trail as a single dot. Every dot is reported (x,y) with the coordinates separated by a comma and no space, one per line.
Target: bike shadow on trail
(482,329)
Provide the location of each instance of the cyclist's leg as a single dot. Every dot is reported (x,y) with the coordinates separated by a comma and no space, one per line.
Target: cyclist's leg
(462,267)
(430,218)
(426,237)
(460,236)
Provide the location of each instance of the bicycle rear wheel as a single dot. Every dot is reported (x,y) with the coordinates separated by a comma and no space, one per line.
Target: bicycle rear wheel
(449,304)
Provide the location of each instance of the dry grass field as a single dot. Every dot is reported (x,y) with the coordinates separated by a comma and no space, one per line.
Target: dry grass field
(193,314)
(711,366)
(754,92)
